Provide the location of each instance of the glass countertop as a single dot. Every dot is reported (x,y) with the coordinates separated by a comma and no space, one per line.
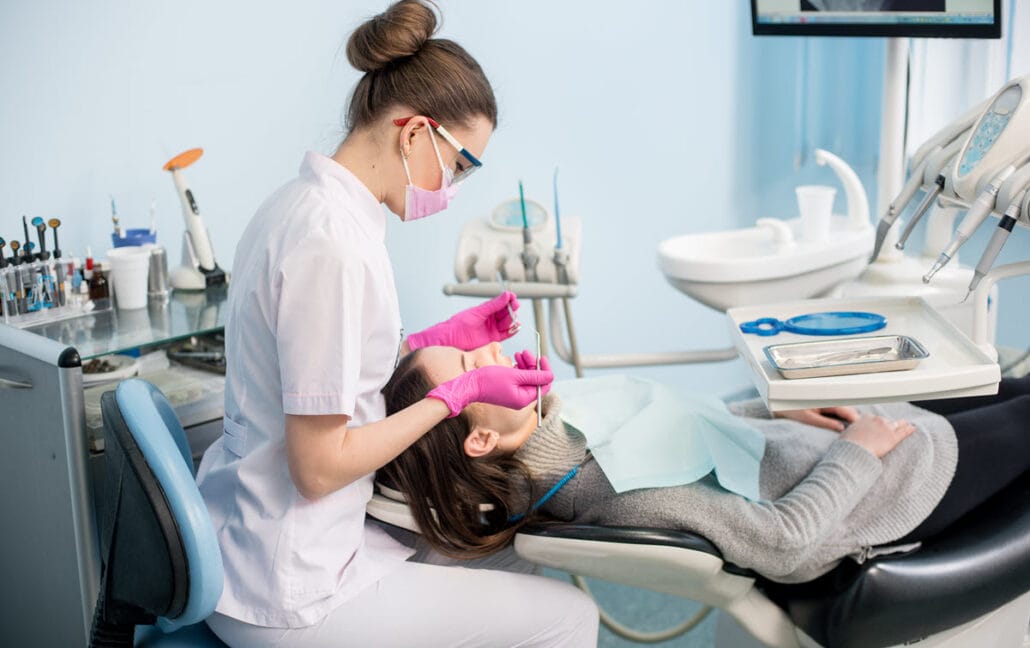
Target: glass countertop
(112,331)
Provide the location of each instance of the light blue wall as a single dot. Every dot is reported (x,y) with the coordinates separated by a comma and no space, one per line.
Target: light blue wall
(808,93)
(665,117)
(97,96)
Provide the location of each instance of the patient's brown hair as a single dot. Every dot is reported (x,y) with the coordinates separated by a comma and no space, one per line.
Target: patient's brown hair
(444,486)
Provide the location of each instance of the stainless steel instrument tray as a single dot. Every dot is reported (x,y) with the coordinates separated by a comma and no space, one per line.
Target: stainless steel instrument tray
(844,356)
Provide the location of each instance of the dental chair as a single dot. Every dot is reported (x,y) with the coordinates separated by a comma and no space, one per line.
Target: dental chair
(160,557)
(968,587)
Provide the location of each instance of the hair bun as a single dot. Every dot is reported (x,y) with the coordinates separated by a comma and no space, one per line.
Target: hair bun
(398,32)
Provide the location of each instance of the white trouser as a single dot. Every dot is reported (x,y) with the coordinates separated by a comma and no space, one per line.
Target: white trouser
(430,605)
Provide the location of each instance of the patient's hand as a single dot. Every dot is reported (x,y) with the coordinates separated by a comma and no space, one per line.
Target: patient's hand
(831,418)
(877,434)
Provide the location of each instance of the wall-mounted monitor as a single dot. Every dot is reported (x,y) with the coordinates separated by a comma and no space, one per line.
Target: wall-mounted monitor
(897,18)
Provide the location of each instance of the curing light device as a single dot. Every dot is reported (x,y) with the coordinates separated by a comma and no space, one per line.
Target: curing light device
(198,269)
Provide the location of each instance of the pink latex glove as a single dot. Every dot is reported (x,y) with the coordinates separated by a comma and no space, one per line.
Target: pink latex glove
(504,386)
(472,328)
(526,360)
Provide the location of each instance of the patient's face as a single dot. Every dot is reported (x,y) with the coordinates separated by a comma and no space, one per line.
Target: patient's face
(445,363)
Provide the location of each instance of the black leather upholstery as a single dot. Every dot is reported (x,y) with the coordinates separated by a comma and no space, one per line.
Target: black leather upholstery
(973,568)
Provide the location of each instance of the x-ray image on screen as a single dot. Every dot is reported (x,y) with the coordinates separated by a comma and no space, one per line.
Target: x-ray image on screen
(897,18)
(873,5)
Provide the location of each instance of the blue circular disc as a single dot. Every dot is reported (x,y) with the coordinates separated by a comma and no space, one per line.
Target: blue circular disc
(830,323)
(835,323)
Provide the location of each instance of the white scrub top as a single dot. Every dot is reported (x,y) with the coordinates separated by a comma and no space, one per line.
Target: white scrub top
(313,328)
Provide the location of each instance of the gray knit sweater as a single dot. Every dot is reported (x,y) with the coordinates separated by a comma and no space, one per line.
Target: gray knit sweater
(823,498)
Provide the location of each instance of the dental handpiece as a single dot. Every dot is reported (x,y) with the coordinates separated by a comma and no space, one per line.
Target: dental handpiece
(931,194)
(561,255)
(998,239)
(935,174)
(898,205)
(530,259)
(975,216)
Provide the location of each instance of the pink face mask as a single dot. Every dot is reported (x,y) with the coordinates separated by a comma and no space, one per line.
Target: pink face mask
(419,202)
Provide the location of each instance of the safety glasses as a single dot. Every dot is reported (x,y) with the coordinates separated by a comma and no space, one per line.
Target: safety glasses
(466,164)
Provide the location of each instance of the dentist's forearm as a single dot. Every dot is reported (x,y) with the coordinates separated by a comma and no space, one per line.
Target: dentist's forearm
(324,454)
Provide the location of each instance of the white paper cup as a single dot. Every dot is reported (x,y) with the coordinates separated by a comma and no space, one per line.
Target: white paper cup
(815,203)
(129,266)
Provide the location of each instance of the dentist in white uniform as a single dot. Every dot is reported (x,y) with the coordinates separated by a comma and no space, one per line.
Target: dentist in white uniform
(313,333)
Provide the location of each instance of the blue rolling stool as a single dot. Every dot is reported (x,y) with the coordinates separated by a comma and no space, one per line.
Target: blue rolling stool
(160,556)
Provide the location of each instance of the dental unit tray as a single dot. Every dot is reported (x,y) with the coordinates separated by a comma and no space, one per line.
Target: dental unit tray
(954,366)
(834,323)
(845,356)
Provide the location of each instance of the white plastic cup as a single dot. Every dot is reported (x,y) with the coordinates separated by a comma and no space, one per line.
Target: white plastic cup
(129,266)
(815,203)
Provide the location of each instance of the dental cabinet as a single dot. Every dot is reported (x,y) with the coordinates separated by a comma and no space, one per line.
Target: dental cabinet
(50,468)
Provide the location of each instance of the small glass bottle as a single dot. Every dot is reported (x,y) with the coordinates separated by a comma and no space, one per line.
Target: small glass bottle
(99,289)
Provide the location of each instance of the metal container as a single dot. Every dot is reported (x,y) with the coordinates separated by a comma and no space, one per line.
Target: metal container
(157,277)
(844,356)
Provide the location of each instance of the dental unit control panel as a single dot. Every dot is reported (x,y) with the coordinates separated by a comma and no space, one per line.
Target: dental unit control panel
(980,163)
(495,245)
(986,151)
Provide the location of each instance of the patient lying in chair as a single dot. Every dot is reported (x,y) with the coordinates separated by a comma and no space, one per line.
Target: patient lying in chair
(832,483)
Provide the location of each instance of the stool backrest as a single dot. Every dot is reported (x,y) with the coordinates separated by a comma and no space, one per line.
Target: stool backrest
(147,443)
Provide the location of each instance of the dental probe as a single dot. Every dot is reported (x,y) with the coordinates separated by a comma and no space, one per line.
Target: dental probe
(539,390)
(1001,235)
(514,327)
(938,168)
(915,180)
(980,210)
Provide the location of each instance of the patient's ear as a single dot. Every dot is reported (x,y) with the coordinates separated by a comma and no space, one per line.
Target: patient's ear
(480,442)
